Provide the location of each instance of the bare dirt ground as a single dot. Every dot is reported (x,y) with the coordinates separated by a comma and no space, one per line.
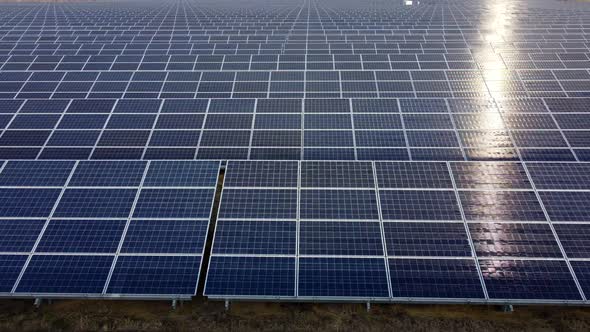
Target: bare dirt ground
(203,315)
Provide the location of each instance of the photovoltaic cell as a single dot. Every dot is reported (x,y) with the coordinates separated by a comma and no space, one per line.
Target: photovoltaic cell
(338,204)
(426,239)
(435,278)
(340,238)
(255,237)
(81,236)
(155,275)
(342,277)
(65,274)
(528,279)
(174,203)
(251,276)
(419,205)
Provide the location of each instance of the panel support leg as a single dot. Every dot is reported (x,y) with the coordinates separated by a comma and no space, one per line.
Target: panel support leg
(174,302)
(368,306)
(37,302)
(507,308)
(226,305)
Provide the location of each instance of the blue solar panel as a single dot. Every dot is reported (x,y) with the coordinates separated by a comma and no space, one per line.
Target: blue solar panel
(174,203)
(566,206)
(226,83)
(155,275)
(81,236)
(259,204)
(560,176)
(337,175)
(38,174)
(255,237)
(95,203)
(182,174)
(574,239)
(65,274)
(435,278)
(514,240)
(582,271)
(343,277)
(338,204)
(419,205)
(261,174)
(426,239)
(108,174)
(528,279)
(23,202)
(253,276)
(501,206)
(340,238)
(412,175)
(19,235)
(11,266)
(165,236)
(495,175)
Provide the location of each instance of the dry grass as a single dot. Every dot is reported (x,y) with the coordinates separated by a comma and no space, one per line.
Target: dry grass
(203,315)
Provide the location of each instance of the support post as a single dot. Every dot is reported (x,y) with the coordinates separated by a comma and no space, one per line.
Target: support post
(507,308)
(368,306)
(226,305)
(37,302)
(174,304)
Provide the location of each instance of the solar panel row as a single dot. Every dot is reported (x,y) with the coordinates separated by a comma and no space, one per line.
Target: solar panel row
(296,129)
(104,228)
(425,231)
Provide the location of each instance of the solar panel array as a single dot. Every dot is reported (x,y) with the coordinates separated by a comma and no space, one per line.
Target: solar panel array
(428,151)
(309,81)
(402,231)
(129,229)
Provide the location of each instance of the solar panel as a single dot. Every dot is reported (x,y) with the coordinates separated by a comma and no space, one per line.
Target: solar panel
(406,152)
(98,228)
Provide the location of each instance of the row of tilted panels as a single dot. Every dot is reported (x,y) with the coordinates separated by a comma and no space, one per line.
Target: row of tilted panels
(478,232)
(532,129)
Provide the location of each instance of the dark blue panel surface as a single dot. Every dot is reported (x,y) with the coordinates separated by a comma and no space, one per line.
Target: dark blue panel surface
(65,274)
(174,203)
(528,279)
(95,203)
(514,240)
(582,271)
(259,203)
(182,174)
(340,238)
(155,275)
(575,239)
(78,236)
(413,175)
(419,205)
(336,175)
(108,174)
(435,278)
(492,175)
(338,204)
(501,206)
(253,276)
(560,176)
(567,206)
(23,202)
(19,235)
(255,237)
(426,239)
(343,277)
(261,174)
(165,236)
(10,267)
